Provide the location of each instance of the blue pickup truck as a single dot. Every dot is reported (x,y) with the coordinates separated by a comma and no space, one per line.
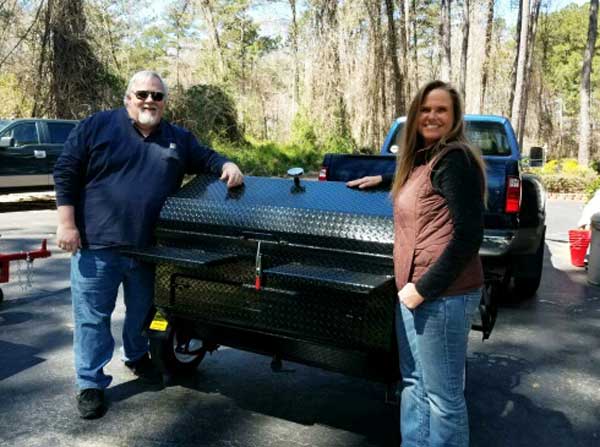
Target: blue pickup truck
(513,246)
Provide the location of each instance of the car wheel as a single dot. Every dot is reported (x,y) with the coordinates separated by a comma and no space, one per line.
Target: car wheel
(1,295)
(177,353)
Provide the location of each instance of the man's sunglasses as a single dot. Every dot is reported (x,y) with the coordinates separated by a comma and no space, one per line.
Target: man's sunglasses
(143,95)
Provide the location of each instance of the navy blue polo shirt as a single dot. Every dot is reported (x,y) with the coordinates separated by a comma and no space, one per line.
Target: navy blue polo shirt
(117,180)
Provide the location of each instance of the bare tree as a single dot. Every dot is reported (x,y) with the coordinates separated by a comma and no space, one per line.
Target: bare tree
(207,9)
(445,39)
(531,32)
(294,41)
(9,16)
(326,25)
(44,44)
(464,49)
(73,60)
(178,15)
(403,50)
(410,29)
(489,26)
(521,65)
(517,53)
(393,56)
(585,89)
(377,83)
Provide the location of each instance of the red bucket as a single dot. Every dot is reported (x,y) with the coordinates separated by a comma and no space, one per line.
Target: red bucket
(579,240)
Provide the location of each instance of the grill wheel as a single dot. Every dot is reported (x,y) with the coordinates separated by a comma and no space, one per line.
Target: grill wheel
(177,353)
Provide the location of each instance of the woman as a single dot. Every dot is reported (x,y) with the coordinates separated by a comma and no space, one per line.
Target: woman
(438,197)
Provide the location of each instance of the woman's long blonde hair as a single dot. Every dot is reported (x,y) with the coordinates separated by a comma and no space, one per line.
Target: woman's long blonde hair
(411,141)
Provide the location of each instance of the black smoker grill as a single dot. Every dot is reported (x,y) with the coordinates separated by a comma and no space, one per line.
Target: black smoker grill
(298,271)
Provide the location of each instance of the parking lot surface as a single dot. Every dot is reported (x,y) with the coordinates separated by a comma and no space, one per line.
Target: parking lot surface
(536,382)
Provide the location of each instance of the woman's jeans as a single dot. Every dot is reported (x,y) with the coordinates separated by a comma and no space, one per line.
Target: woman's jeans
(432,343)
(95,279)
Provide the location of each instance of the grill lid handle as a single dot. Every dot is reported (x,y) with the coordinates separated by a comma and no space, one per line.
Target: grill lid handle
(296,173)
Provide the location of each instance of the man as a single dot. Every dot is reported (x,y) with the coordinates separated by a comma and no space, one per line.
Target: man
(115,172)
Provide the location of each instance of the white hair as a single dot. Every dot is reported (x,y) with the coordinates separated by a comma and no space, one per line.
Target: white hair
(142,75)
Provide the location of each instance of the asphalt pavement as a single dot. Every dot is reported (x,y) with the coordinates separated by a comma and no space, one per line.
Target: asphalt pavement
(536,382)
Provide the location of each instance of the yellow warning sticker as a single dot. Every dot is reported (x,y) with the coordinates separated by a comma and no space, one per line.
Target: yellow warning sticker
(159,323)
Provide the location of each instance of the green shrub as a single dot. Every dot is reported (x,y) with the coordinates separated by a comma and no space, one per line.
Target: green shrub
(272,159)
(551,167)
(303,131)
(207,111)
(591,188)
(570,166)
(564,183)
(566,176)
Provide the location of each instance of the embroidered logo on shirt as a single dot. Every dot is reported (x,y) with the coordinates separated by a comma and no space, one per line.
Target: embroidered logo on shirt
(172,146)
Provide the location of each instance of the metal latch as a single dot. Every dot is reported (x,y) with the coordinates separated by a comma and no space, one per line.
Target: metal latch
(258,271)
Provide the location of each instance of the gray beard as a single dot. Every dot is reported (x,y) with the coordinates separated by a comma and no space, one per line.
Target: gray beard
(147,118)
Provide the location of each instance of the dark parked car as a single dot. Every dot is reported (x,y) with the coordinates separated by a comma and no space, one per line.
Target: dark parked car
(28,150)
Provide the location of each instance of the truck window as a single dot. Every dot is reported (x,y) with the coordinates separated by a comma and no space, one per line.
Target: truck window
(24,133)
(59,132)
(489,137)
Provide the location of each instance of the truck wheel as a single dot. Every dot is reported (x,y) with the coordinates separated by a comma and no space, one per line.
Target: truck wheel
(1,295)
(177,353)
(526,286)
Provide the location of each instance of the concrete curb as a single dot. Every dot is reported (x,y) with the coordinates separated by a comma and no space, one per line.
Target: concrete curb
(578,196)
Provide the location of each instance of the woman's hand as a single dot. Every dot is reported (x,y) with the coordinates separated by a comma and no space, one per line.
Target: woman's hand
(410,297)
(365,182)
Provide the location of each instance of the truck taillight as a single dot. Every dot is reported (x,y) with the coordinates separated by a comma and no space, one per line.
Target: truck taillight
(323,174)
(513,194)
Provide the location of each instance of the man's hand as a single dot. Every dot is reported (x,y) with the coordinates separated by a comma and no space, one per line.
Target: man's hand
(67,234)
(365,182)
(232,175)
(67,238)
(410,297)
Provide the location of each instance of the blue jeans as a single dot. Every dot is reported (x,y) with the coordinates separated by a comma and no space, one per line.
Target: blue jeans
(432,344)
(95,279)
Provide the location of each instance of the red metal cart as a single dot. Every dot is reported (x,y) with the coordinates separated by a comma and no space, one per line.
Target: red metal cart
(28,256)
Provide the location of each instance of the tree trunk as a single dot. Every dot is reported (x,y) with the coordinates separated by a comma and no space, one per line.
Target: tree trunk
(411,46)
(327,29)
(513,82)
(294,39)
(520,67)
(74,65)
(376,87)
(403,53)
(489,26)
(207,9)
(393,55)
(585,90)
(464,50)
(38,103)
(531,32)
(413,29)
(445,39)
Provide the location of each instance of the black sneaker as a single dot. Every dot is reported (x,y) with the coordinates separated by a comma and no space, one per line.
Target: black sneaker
(90,403)
(145,370)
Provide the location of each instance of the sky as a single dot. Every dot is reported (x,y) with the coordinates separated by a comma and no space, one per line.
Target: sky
(508,9)
(275,17)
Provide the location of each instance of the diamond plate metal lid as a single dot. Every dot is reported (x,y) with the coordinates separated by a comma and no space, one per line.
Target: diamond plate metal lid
(277,208)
